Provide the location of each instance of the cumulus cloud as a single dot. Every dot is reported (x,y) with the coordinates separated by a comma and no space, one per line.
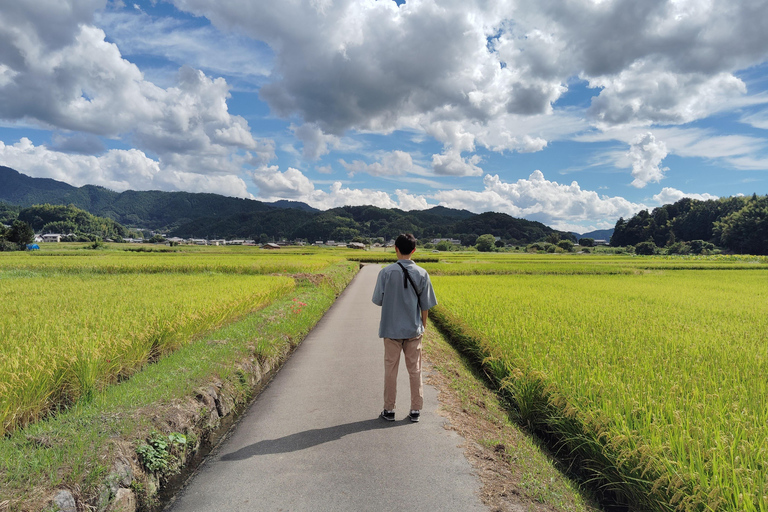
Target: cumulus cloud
(567,207)
(409,202)
(670,195)
(646,154)
(115,169)
(70,78)
(293,184)
(315,142)
(643,94)
(393,163)
(342,65)
(536,198)
(452,164)
(274,185)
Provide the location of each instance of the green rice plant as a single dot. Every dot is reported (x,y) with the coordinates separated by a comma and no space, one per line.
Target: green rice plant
(383,257)
(573,264)
(66,337)
(655,380)
(226,260)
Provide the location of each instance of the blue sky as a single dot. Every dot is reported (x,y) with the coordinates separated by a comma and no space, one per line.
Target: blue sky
(573,113)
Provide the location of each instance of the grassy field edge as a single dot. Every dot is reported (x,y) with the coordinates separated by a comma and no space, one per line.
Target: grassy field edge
(121,450)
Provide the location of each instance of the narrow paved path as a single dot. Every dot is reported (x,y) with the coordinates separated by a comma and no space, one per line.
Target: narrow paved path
(312,441)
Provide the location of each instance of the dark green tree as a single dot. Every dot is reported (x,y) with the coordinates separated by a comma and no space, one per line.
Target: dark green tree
(646,248)
(745,231)
(20,234)
(485,243)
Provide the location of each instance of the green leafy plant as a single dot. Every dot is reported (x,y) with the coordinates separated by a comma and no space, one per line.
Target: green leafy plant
(156,454)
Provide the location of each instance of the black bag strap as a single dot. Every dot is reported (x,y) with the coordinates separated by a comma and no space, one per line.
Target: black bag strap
(406,279)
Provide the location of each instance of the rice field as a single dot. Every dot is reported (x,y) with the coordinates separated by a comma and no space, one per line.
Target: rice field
(655,378)
(234,260)
(65,337)
(73,322)
(572,264)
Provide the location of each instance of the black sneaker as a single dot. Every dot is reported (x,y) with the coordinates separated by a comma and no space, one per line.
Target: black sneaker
(414,415)
(387,415)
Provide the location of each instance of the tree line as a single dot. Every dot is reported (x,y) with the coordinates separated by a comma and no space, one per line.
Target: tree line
(691,226)
(367,223)
(72,223)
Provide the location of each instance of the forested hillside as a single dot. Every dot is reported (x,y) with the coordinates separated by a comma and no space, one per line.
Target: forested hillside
(369,222)
(146,209)
(738,224)
(188,215)
(69,219)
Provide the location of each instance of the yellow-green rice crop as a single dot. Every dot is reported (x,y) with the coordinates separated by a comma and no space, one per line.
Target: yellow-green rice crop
(230,261)
(658,380)
(62,337)
(569,264)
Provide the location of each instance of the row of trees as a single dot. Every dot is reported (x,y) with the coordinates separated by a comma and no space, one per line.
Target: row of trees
(737,224)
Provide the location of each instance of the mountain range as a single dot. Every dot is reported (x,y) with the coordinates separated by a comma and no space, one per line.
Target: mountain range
(203,215)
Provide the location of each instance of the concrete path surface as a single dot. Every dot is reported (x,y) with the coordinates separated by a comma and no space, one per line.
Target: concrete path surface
(312,441)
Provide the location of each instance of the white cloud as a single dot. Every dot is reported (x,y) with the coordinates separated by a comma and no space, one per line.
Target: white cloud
(672,195)
(294,185)
(342,66)
(453,164)
(316,143)
(117,170)
(77,81)
(643,94)
(535,198)
(392,163)
(410,202)
(291,184)
(757,119)
(646,154)
(741,152)
(184,43)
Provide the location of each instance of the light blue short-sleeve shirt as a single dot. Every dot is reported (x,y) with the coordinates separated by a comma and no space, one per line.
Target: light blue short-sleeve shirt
(400,311)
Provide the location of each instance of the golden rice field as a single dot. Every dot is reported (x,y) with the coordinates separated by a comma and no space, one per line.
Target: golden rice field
(571,264)
(73,322)
(66,336)
(654,378)
(230,260)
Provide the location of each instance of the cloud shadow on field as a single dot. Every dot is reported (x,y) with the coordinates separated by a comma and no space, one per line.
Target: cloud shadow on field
(308,439)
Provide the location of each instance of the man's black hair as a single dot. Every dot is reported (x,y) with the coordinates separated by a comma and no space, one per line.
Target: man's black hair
(406,243)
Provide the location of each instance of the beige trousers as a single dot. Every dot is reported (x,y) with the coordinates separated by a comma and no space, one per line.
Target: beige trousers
(411,348)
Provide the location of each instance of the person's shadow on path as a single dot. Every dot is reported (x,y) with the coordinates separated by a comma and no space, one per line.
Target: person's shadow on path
(307,439)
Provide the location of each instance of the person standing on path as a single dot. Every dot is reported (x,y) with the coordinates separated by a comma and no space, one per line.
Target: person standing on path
(404,292)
